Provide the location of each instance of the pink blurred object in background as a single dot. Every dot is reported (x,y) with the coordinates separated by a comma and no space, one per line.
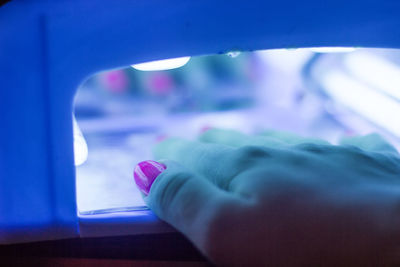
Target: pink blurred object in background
(205,128)
(160,83)
(115,81)
(161,138)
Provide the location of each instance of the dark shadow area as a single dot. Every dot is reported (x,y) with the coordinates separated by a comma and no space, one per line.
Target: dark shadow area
(2,2)
(158,247)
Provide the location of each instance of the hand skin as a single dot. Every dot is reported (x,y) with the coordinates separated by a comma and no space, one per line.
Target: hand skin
(280,200)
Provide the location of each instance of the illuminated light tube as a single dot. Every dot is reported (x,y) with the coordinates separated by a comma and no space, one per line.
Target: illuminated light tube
(165,64)
(374,106)
(375,71)
(80,145)
(332,49)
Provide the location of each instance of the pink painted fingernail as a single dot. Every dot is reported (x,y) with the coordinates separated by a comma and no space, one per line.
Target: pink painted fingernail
(145,173)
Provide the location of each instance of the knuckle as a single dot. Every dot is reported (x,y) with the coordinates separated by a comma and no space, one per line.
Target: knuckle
(312,147)
(252,152)
(379,161)
(356,153)
(246,156)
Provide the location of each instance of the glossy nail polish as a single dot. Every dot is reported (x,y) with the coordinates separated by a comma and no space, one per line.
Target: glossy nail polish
(145,173)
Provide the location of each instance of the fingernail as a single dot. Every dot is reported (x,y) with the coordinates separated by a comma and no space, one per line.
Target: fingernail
(145,173)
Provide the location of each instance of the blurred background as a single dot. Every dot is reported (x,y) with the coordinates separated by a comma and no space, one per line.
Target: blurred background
(318,92)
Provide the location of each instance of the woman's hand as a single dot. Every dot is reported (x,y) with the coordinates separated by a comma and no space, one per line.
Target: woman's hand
(280,199)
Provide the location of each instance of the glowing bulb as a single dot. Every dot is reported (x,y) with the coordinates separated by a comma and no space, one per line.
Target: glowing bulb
(376,71)
(332,49)
(80,146)
(165,64)
(376,107)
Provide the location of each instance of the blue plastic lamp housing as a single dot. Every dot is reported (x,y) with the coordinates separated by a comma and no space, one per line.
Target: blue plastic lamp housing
(48,48)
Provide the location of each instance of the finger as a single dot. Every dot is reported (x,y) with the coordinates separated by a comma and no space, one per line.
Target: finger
(371,142)
(188,202)
(217,163)
(237,139)
(291,138)
(223,136)
(209,160)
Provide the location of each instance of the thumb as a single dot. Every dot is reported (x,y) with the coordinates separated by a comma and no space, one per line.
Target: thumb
(184,199)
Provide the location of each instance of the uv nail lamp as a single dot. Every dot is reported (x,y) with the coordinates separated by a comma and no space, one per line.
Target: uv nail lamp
(48,48)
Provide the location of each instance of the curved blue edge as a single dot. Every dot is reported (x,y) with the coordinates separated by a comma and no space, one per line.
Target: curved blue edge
(122,223)
(47,48)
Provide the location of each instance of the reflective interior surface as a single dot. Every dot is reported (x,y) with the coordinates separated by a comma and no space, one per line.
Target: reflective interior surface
(321,93)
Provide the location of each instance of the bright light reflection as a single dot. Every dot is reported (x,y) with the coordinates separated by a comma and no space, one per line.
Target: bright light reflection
(80,146)
(376,71)
(332,49)
(165,64)
(376,107)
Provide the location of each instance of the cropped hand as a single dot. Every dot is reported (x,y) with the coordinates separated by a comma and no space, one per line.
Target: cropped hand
(280,199)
